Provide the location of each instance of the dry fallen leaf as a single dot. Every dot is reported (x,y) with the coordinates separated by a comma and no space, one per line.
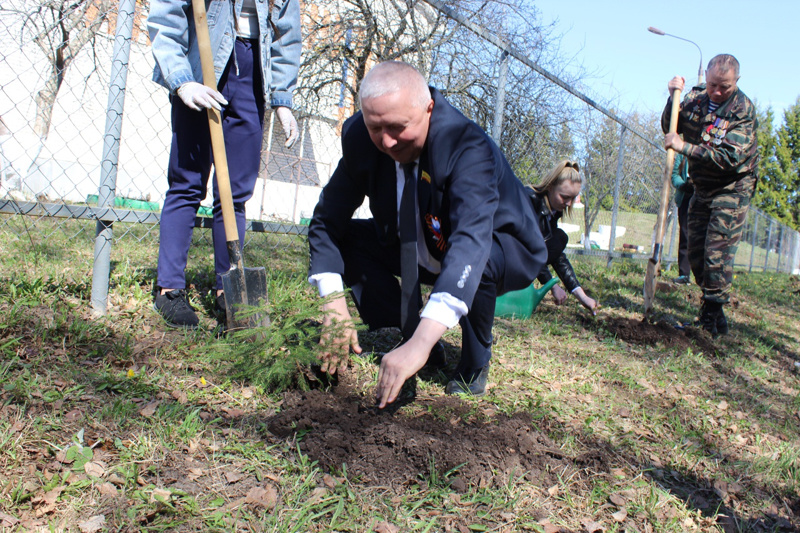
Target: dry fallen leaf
(262,497)
(149,409)
(195,473)
(620,515)
(94,469)
(329,481)
(233,477)
(548,527)
(107,489)
(180,396)
(591,526)
(618,500)
(317,494)
(95,523)
(160,495)
(73,415)
(51,496)
(552,491)
(386,527)
(6,520)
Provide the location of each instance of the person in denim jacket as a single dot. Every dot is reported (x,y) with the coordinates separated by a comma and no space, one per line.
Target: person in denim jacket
(256,49)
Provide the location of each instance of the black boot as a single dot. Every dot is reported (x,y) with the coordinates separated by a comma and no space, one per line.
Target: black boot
(712,318)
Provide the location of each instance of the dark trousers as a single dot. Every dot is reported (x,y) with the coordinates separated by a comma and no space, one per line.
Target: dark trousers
(684,267)
(371,271)
(190,163)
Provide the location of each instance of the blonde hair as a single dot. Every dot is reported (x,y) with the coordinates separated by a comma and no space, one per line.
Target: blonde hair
(565,170)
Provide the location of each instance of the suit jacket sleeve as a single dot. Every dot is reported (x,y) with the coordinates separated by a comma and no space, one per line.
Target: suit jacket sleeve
(468,165)
(343,194)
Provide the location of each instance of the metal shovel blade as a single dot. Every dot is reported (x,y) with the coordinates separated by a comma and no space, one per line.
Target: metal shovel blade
(649,289)
(246,289)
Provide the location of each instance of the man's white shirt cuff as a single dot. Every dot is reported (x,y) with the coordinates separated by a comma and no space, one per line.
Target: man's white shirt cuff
(327,283)
(445,309)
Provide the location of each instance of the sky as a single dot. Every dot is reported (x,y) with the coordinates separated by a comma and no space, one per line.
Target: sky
(632,66)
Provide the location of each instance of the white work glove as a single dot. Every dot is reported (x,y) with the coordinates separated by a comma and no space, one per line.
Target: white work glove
(289,125)
(198,97)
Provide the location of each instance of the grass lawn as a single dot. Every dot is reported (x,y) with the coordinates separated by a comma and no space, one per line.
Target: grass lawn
(590,424)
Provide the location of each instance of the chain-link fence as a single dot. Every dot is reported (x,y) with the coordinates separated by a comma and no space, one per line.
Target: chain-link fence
(67,150)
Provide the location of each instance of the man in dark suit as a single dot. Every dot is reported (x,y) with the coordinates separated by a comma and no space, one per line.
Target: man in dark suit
(473,235)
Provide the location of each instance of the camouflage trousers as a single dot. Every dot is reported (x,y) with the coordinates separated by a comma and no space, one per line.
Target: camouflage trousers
(716,223)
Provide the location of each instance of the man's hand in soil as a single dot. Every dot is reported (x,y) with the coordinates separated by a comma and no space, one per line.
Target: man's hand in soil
(406,360)
(338,335)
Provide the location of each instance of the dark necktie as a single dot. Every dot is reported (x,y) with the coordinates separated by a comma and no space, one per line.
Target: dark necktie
(409,269)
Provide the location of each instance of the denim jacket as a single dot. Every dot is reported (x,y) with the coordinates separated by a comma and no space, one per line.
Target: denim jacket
(171,27)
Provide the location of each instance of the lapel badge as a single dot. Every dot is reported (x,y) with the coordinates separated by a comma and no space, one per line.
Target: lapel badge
(435,228)
(424,176)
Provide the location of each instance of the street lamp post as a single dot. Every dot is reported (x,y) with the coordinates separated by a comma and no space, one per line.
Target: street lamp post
(651,29)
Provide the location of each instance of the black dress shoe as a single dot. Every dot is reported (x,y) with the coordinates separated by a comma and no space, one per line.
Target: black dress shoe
(475,385)
(437,359)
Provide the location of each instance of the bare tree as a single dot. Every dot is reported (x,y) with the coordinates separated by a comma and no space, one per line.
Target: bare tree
(345,37)
(60,28)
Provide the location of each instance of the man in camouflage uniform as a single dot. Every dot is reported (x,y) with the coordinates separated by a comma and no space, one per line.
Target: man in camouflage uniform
(718,124)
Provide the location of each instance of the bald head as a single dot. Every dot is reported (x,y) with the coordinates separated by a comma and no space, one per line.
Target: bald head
(395,76)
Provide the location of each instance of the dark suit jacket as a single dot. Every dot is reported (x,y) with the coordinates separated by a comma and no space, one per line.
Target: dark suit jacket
(468,196)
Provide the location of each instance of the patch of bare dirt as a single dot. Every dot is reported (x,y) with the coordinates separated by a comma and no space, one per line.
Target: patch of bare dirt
(418,444)
(642,332)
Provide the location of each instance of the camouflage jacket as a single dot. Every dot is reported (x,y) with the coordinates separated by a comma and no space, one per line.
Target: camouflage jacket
(721,147)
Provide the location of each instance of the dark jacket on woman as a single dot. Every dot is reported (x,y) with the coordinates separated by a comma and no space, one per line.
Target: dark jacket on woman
(556,241)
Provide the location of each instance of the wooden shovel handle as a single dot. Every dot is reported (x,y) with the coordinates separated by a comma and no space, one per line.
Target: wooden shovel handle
(666,181)
(215,125)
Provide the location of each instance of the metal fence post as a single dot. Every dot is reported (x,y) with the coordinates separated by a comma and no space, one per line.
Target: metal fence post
(612,239)
(779,248)
(499,105)
(753,239)
(769,243)
(104,233)
(673,219)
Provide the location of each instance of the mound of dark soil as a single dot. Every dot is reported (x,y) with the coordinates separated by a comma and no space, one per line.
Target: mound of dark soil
(642,332)
(341,429)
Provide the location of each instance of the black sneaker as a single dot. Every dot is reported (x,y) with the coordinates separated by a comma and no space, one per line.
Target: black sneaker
(682,280)
(175,309)
(475,384)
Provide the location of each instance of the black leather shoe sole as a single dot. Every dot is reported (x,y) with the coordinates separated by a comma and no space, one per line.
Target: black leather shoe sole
(476,388)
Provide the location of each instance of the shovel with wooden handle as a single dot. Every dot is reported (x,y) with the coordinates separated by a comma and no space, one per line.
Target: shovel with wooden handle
(654,262)
(244,287)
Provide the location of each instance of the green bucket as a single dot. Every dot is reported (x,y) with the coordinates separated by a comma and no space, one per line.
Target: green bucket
(521,303)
